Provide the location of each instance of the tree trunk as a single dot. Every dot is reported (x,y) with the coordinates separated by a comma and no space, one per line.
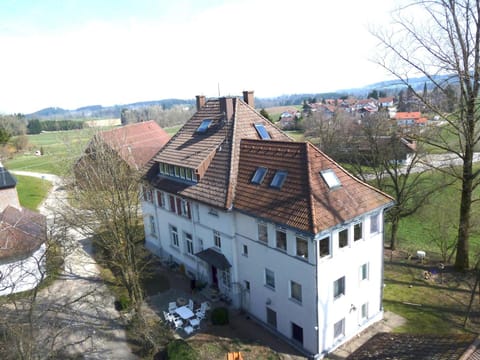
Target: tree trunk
(462,256)
(394,231)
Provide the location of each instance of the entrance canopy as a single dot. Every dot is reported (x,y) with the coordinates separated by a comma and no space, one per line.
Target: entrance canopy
(214,258)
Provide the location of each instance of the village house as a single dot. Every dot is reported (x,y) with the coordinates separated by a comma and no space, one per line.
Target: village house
(23,234)
(406,119)
(276,226)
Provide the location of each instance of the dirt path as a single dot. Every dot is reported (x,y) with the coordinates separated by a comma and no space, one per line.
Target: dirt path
(90,326)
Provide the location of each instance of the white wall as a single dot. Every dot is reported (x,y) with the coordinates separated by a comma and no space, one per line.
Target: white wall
(287,267)
(22,275)
(347,262)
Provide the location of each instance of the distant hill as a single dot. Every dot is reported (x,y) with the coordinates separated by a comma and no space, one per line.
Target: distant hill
(391,87)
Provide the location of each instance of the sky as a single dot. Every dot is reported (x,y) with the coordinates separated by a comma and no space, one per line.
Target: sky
(74,53)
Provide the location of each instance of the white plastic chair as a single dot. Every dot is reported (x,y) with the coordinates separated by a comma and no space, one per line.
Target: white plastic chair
(190,304)
(172,306)
(200,314)
(178,323)
(188,329)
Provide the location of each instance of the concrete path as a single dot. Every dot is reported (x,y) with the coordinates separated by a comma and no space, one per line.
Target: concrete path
(90,325)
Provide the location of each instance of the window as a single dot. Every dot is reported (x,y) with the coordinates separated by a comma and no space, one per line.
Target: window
(343,238)
(189,242)
(147,194)
(262,132)
(339,329)
(177,171)
(171,200)
(357,231)
(296,291)
(364,272)
(297,333)
(374,228)
(263,233)
(247,286)
(153,230)
(160,201)
(226,278)
(278,179)
(330,178)
(339,287)
(270,278)
(259,175)
(281,240)
(217,240)
(185,209)
(271,318)
(324,247)
(302,247)
(174,236)
(245,250)
(204,126)
(364,311)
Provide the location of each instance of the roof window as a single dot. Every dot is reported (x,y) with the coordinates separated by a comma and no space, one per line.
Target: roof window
(278,179)
(259,175)
(204,126)
(330,178)
(262,132)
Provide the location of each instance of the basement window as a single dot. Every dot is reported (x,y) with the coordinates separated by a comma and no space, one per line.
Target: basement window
(259,175)
(330,178)
(262,132)
(278,179)
(204,126)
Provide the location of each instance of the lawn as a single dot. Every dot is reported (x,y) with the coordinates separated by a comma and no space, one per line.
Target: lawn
(433,305)
(32,191)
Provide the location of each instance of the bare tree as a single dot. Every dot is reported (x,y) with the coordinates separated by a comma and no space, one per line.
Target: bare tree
(442,37)
(384,155)
(106,194)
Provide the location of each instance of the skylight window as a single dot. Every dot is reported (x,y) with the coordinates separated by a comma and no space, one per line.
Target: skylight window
(278,179)
(259,175)
(262,132)
(330,178)
(204,126)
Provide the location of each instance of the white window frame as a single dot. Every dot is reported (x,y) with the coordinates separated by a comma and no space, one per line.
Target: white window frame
(269,274)
(293,296)
(245,250)
(280,231)
(265,226)
(375,223)
(217,239)
(339,329)
(364,311)
(301,238)
(364,271)
(338,291)
(153,226)
(348,235)
(188,243)
(327,239)
(355,226)
(174,236)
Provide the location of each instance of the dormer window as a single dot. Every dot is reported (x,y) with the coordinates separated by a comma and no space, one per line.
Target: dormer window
(204,126)
(179,172)
(278,179)
(259,175)
(330,178)
(262,132)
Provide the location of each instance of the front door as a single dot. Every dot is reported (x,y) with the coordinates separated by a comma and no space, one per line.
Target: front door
(214,276)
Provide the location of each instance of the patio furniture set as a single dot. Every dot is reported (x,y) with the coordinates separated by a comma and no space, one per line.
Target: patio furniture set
(186,317)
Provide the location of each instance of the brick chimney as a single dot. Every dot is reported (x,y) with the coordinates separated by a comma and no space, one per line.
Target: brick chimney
(227,105)
(249,98)
(200,101)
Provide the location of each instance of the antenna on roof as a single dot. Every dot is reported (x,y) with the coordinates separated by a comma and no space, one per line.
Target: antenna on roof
(218,88)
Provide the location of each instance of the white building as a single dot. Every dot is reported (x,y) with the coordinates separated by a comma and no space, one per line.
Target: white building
(276,225)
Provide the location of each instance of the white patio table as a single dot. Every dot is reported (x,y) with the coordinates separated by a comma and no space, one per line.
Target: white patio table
(184,312)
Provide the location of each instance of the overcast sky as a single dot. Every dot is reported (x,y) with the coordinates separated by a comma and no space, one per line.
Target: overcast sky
(73,53)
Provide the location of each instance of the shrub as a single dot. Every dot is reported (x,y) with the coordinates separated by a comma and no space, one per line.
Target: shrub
(220,316)
(180,350)
(123,303)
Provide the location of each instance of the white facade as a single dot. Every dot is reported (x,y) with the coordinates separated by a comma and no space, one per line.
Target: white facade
(289,286)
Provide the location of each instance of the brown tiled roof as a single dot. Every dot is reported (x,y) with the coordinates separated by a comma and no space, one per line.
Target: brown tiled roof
(21,232)
(136,143)
(415,347)
(408,115)
(304,201)
(213,154)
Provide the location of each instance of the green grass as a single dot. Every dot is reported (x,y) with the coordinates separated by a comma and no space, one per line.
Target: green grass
(297,135)
(32,191)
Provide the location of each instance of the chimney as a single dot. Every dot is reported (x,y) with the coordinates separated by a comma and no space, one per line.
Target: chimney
(200,101)
(226,106)
(248,98)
